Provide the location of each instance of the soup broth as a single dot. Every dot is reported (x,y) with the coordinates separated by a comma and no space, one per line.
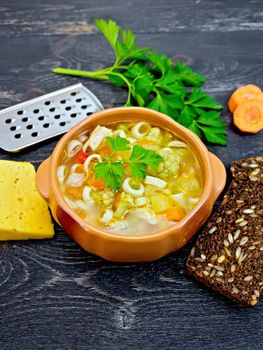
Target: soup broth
(130,178)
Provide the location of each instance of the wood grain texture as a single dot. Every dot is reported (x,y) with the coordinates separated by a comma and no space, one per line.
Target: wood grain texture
(53,295)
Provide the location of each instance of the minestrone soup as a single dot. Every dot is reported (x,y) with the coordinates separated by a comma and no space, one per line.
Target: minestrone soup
(130,178)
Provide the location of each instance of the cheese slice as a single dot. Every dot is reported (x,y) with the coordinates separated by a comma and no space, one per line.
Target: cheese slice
(23,212)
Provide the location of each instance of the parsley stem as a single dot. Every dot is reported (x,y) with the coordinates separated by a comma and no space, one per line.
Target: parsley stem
(120,75)
(100,74)
(121,67)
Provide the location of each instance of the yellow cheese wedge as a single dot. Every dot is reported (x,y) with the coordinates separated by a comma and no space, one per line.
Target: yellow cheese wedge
(23,212)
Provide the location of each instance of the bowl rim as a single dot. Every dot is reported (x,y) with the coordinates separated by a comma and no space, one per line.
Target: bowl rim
(173,126)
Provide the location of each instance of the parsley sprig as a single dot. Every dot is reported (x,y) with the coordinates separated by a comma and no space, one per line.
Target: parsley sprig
(155,82)
(112,171)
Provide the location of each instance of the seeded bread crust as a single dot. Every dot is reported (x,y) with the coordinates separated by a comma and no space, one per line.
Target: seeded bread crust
(252,167)
(228,256)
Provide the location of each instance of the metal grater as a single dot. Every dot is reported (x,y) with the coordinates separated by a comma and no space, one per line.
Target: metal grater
(41,118)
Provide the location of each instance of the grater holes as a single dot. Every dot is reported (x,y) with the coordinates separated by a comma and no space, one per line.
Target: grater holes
(68,108)
(13,128)
(39,112)
(84,107)
(89,113)
(34,134)
(29,127)
(46,125)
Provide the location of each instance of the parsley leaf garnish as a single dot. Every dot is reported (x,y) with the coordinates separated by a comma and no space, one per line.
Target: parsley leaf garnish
(141,158)
(118,143)
(154,81)
(111,172)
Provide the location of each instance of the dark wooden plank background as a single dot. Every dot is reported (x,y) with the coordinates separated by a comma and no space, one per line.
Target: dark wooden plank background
(53,295)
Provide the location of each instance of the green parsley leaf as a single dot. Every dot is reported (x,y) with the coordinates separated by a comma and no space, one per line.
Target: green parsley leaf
(142,85)
(193,127)
(111,173)
(126,48)
(128,38)
(136,69)
(138,170)
(201,99)
(171,84)
(204,124)
(186,116)
(210,118)
(214,135)
(167,103)
(136,53)
(187,75)
(160,63)
(110,30)
(142,157)
(117,80)
(118,143)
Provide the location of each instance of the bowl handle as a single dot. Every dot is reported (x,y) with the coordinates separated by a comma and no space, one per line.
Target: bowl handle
(219,174)
(43,179)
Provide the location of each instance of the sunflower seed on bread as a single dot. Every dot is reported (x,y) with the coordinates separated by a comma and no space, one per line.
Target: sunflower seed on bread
(252,167)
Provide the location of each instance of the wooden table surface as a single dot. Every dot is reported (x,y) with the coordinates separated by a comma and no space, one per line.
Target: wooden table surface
(53,295)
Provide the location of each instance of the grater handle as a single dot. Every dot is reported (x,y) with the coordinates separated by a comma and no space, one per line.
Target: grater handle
(43,176)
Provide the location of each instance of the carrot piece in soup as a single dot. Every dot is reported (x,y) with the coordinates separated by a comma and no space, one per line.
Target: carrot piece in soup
(97,183)
(81,156)
(243,94)
(248,117)
(74,193)
(174,213)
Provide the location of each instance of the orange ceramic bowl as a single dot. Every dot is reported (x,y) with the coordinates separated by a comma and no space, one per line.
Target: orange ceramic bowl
(123,248)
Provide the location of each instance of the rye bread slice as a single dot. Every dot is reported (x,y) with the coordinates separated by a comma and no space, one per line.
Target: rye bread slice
(228,255)
(252,167)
